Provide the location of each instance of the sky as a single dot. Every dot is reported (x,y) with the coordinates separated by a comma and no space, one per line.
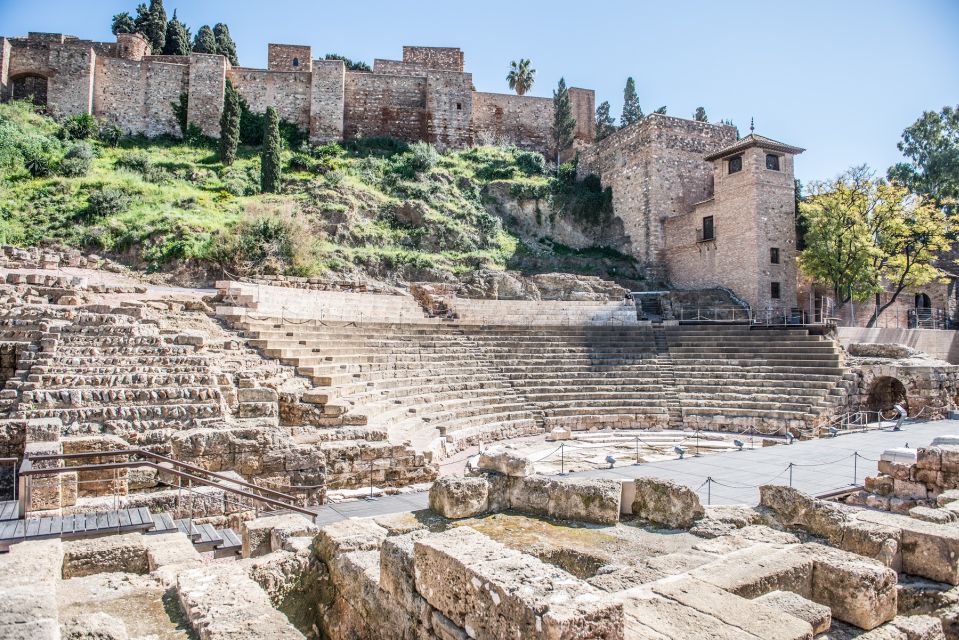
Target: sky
(840,78)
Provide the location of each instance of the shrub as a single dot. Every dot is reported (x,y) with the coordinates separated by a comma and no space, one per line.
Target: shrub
(531,163)
(423,157)
(383,146)
(77,160)
(111,134)
(37,160)
(241,182)
(584,200)
(80,127)
(266,240)
(138,161)
(252,126)
(105,201)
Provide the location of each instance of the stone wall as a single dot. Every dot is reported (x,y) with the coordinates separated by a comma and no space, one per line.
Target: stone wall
(122,90)
(378,105)
(940,344)
(326,101)
(444,58)
(207,84)
(584,110)
(290,92)
(398,68)
(656,171)
(289,57)
(132,46)
(4,67)
(70,88)
(500,118)
(449,103)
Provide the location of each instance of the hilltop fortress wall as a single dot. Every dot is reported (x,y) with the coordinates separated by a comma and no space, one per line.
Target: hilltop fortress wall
(427,95)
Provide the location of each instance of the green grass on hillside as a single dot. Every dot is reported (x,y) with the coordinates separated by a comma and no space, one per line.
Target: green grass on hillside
(377,205)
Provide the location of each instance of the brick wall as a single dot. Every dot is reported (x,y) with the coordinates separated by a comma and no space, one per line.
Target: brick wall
(384,105)
(280,57)
(444,58)
(289,92)
(70,87)
(206,87)
(656,171)
(500,118)
(326,101)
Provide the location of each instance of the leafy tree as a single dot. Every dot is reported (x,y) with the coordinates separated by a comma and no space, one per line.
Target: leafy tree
(123,23)
(224,43)
(152,24)
(632,112)
(865,236)
(229,125)
(605,123)
(932,145)
(521,76)
(700,115)
(177,38)
(351,65)
(204,41)
(564,124)
(661,110)
(270,161)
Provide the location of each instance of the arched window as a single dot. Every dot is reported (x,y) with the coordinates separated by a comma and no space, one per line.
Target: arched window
(296,62)
(923,301)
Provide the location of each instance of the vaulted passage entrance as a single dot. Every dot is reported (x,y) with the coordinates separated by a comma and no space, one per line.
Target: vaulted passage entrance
(886,392)
(30,87)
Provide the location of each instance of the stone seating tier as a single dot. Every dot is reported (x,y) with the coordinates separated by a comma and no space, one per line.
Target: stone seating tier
(454,383)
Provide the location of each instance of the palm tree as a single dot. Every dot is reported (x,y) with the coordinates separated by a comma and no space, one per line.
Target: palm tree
(521,77)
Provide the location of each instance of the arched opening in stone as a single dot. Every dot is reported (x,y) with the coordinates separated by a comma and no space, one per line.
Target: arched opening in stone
(29,86)
(886,392)
(923,301)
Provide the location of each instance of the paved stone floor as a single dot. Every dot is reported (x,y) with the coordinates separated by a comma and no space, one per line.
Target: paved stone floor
(819,467)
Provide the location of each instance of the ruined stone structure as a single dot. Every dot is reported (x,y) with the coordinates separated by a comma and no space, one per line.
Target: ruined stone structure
(703,208)
(426,96)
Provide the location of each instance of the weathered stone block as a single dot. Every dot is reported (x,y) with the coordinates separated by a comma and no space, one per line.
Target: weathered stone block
(264,535)
(396,568)
(858,590)
(492,591)
(124,553)
(458,497)
(817,615)
(355,534)
(505,460)
(666,503)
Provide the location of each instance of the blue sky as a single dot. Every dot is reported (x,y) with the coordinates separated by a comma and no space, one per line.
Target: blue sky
(841,78)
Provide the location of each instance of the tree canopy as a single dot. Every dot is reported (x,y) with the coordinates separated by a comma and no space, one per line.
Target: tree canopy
(932,145)
(700,115)
(864,236)
(351,65)
(270,169)
(224,43)
(521,76)
(564,124)
(632,112)
(123,23)
(605,123)
(152,23)
(204,41)
(177,38)
(230,124)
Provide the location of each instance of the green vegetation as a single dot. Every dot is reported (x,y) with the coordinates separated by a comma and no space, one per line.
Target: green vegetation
(270,171)
(177,38)
(230,125)
(632,112)
(564,124)
(700,115)
(605,123)
(351,65)
(521,76)
(381,206)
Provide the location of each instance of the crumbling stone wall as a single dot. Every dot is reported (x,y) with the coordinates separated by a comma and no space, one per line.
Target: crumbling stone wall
(931,389)
(281,57)
(449,103)
(207,82)
(500,118)
(378,105)
(443,58)
(327,101)
(121,95)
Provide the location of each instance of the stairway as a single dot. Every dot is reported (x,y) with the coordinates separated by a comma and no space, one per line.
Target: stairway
(652,308)
(674,406)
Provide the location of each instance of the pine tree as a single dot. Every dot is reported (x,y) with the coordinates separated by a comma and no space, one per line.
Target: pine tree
(700,115)
(143,17)
(229,125)
(661,110)
(123,23)
(632,112)
(270,160)
(204,41)
(177,38)
(605,123)
(224,43)
(154,25)
(564,124)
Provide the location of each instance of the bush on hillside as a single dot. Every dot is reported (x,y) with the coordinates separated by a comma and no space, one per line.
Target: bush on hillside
(77,161)
(267,240)
(80,127)
(37,160)
(383,146)
(106,200)
(531,163)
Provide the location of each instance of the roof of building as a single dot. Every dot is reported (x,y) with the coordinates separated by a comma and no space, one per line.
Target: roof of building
(753,140)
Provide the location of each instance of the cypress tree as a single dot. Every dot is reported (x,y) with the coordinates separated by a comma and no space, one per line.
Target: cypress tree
(270,161)
(661,110)
(204,41)
(700,115)
(605,123)
(224,43)
(564,124)
(143,17)
(123,23)
(177,38)
(229,125)
(154,25)
(632,112)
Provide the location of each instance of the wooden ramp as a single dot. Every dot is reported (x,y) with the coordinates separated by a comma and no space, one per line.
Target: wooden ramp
(75,526)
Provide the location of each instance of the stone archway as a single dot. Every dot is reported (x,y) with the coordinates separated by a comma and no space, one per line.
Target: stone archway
(29,86)
(885,393)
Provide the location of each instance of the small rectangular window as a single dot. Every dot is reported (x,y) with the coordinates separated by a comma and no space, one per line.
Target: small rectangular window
(735,164)
(459,106)
(774,255)
(772,162)
(709,232)
(774,290)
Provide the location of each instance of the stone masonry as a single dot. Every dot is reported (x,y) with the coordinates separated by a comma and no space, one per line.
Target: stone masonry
(426,96)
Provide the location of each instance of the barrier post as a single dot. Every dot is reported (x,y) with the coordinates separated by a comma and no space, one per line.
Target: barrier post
(637,449)
(790,475)
(855,459)
(562,459)
(709,490)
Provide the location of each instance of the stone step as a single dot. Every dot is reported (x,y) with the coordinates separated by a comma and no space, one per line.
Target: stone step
(169,413)
(42,398)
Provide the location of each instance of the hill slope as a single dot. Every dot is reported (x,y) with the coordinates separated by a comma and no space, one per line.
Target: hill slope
(378,207)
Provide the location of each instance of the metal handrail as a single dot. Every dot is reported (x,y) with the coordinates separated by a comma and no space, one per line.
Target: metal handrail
(27,471)
(157,456)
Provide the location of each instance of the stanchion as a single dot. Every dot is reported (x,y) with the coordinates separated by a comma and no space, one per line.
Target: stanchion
(637,449)
(562,459)
(790,475)
(709,490)
(855,459)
